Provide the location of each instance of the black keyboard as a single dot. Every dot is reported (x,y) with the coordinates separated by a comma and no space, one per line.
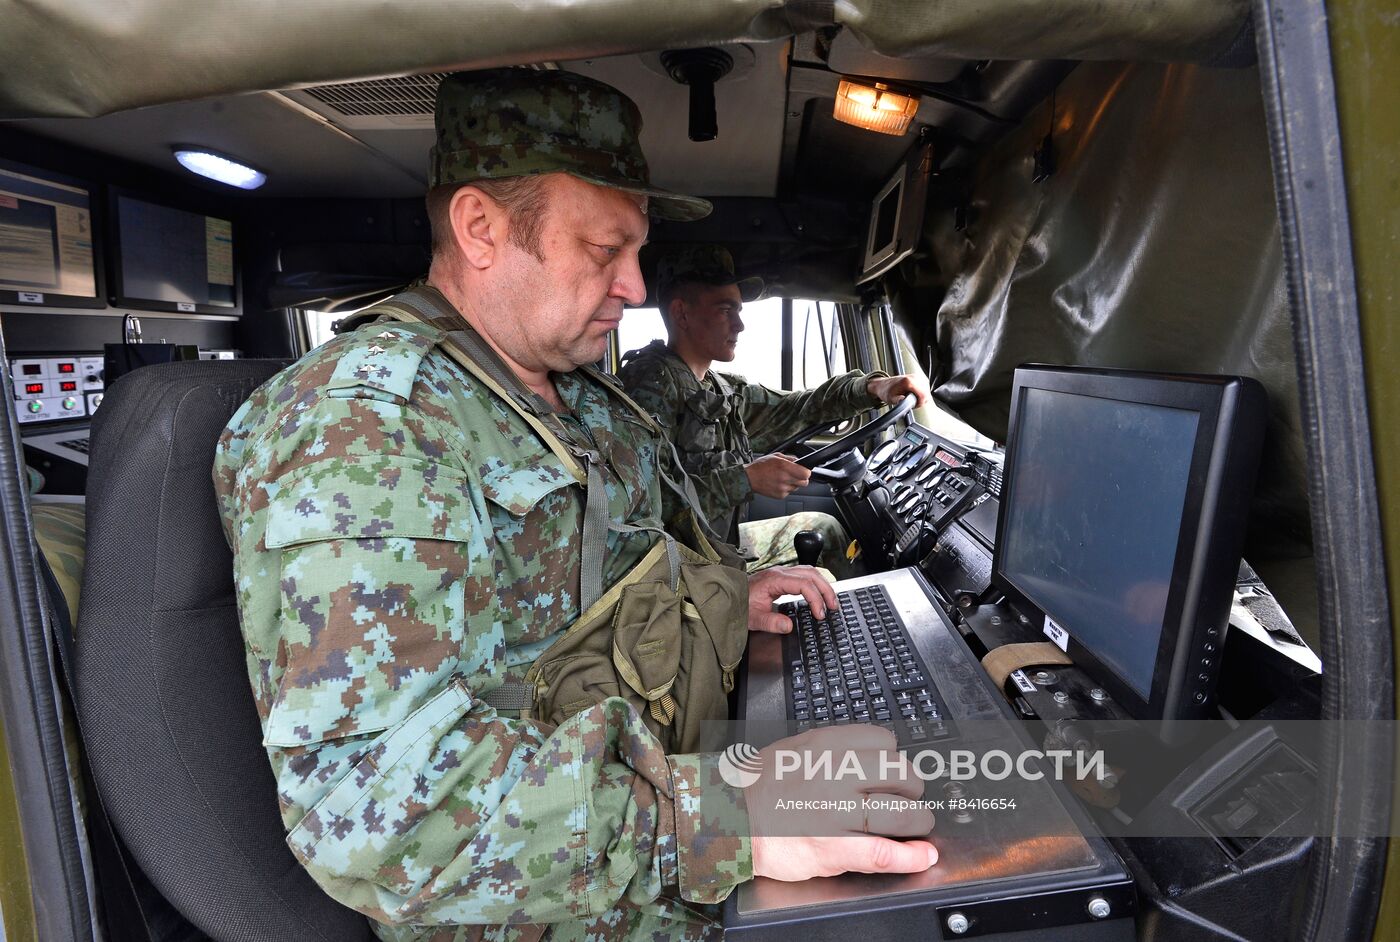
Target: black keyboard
(77,444)
(860,666)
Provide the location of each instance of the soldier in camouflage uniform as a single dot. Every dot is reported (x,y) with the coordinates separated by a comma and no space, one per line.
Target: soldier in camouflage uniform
(412,537)
(719,421)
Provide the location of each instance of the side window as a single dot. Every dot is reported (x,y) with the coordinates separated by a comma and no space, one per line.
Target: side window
(818,350)
(639,327)
(320,327)
(815,354)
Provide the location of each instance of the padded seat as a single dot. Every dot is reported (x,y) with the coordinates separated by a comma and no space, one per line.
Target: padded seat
(167,715)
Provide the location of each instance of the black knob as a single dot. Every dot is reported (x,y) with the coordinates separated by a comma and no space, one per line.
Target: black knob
(808,544)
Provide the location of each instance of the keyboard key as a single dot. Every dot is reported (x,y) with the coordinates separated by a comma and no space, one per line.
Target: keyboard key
(860,665)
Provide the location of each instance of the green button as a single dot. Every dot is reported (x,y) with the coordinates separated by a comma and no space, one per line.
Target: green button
(36,406)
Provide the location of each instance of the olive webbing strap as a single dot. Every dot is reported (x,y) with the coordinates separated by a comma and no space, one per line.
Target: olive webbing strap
(551,429)
(673,555)
(468,349)
(429,305)
(470,352)
(530,405)
(610,383)
(510,695)
(685,489)
(595,536)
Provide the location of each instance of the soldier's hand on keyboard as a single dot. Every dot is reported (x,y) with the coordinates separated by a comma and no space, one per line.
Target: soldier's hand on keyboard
(823,824)
(771,584)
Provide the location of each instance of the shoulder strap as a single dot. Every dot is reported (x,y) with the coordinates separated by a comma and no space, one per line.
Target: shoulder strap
(610,384)
(726,388)
(465,347)
(426,305)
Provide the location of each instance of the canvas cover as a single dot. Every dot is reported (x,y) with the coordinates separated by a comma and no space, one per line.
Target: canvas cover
(1154,245)
(82,58)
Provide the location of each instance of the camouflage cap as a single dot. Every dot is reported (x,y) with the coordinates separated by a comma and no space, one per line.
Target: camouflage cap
(514,122)
(707,264)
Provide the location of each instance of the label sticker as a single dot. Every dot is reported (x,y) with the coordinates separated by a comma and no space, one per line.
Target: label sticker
(1057,634)
(1022,682)
(30,297)
(184,307)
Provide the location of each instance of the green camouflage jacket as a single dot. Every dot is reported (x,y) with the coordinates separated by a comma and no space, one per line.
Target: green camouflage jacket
(402,543)
(719,426)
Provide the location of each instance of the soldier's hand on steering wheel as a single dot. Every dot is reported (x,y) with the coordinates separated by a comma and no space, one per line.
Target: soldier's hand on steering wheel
(891,389)
(776,476)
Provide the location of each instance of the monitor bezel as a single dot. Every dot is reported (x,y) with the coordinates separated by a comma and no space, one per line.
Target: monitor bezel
(11,297)
(910,176)
(119,296)
(1209,537)
(876,255)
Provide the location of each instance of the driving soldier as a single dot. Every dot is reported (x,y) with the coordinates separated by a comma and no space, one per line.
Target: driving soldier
(719,421)
(481,663)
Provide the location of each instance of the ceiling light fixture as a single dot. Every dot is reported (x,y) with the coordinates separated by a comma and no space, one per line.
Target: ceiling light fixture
(875,107)
(216,166)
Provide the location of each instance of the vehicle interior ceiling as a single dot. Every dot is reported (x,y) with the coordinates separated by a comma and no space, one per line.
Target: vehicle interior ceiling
(1078,213)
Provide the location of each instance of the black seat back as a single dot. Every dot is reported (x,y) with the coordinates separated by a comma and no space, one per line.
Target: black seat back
(164,703)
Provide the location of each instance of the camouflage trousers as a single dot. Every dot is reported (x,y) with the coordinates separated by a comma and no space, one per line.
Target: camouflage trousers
(771,541)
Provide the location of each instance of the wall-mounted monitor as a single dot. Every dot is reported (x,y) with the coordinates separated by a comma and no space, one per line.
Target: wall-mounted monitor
(49,254)
(169,259)
(1122,520)
(897,214)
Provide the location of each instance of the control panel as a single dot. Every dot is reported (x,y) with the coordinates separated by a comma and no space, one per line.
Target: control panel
(925,486)
(55,388)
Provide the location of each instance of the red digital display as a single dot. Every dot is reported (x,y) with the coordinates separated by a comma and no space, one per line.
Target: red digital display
(33,389)
(948,459)
(68,385)
(68,367)
(32,369)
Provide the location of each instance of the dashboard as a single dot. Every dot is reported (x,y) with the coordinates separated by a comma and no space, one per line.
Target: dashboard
(923,496)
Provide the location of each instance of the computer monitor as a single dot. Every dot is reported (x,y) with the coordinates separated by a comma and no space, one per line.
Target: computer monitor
(168,259)
(897,214)
(1122,521)
(48,250)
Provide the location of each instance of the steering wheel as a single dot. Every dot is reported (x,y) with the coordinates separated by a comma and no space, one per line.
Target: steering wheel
(848,442)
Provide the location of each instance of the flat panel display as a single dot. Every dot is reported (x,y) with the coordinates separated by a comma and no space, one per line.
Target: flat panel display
(896,214)
(48,251)
(1122,516)
(1100,492)
(172,259)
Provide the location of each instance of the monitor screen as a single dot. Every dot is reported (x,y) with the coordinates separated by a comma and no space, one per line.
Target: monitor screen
(47,249)
(896,214)
(1122,516)
(1100,492)
(882,224)
(179,260)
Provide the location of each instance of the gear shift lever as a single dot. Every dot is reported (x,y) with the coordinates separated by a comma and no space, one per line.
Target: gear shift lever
(808,544)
